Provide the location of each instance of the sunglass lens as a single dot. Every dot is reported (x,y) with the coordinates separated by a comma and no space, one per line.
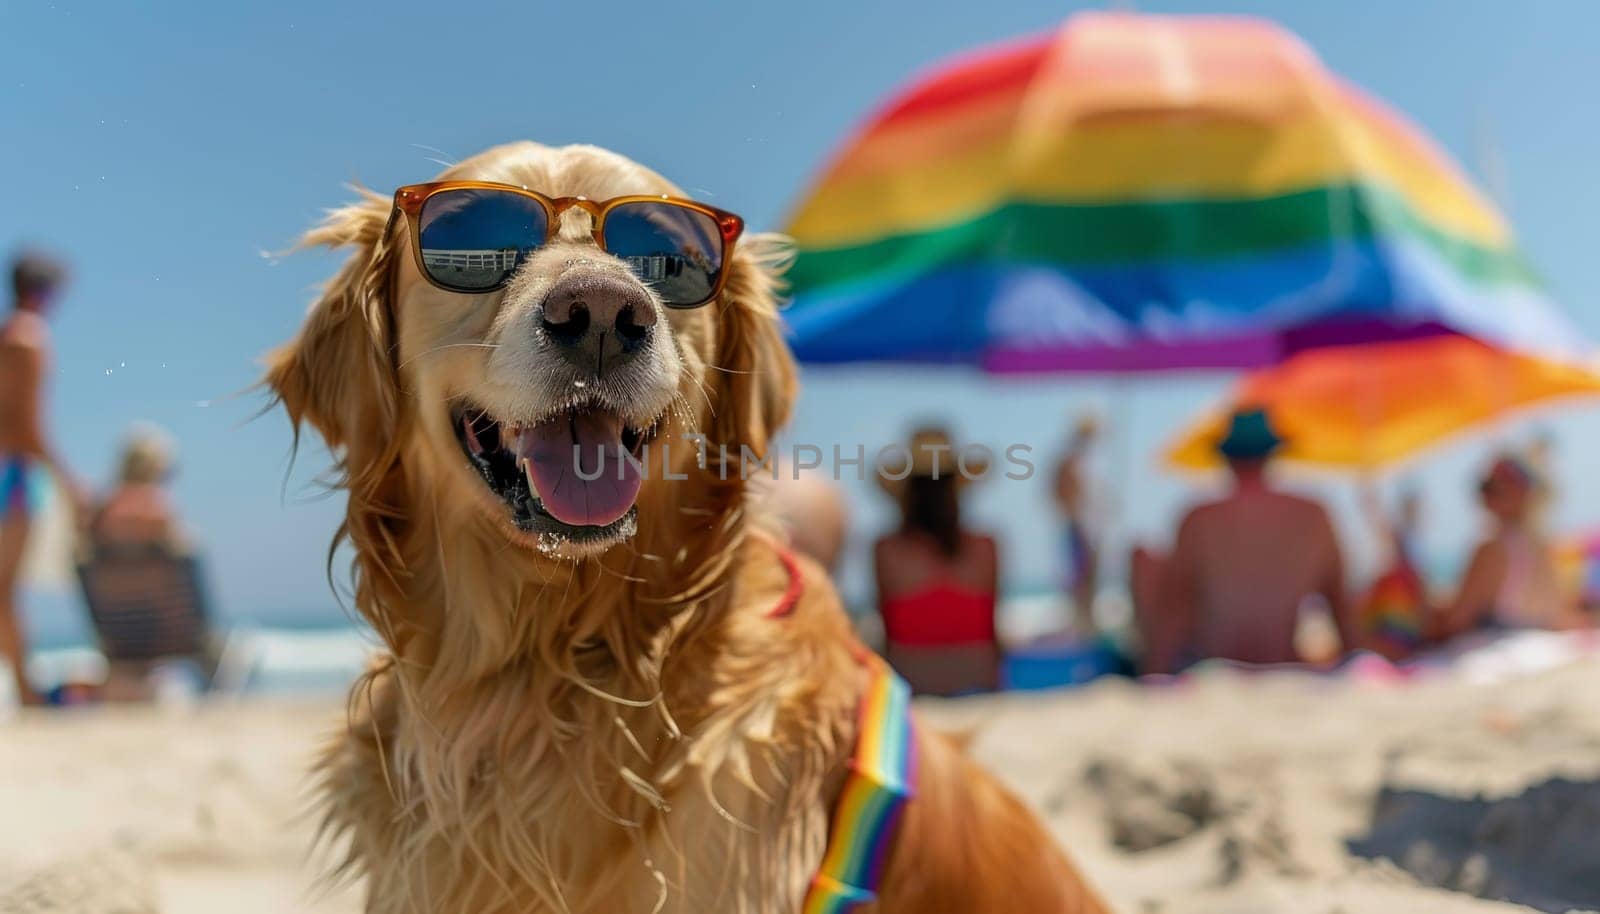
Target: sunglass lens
(472,240)
(676,250)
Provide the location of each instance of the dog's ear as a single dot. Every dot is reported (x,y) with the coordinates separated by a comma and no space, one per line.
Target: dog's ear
(338,374)
(754,381)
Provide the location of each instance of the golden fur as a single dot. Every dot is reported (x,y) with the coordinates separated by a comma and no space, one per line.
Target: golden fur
(613,731)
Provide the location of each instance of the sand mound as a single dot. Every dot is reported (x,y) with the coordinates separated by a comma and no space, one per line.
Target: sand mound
(1237,816)
(1540,848)
(1259,794)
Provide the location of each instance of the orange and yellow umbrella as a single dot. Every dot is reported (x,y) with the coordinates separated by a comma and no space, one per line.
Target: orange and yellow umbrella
(1366,407)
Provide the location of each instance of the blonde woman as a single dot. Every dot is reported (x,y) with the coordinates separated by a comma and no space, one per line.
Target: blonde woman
(138,511)
(141,581)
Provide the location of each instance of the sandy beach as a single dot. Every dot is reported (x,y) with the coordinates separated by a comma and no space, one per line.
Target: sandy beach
(1229,793)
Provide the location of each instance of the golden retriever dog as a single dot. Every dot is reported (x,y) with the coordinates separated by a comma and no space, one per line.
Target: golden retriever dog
(587,702)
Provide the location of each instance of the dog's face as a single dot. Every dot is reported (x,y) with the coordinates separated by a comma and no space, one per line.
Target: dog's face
(546,396)
(549,409)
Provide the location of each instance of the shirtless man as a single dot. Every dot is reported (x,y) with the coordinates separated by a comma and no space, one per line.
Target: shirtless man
(25,450)
(1243,565)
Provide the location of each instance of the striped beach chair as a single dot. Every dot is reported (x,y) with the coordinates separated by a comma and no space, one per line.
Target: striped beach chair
(148,605)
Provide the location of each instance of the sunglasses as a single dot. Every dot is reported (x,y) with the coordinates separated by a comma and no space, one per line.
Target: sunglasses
(470,236)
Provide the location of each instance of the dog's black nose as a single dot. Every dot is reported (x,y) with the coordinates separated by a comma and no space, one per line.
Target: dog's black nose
(598,320)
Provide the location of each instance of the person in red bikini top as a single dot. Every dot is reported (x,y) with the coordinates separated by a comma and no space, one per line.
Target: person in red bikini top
(937,580)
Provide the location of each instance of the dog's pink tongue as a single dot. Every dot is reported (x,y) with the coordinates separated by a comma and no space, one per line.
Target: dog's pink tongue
(576,464)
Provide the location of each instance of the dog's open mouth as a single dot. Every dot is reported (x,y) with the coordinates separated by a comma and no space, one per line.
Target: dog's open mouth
(571,477)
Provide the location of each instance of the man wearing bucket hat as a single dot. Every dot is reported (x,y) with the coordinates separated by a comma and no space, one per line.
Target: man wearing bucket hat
(1243,565)
(937,579)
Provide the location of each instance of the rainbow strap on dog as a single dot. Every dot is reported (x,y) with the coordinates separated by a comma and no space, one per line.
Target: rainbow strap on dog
(882,778)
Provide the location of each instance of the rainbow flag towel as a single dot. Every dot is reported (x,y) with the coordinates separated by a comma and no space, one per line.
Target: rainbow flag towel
(881,780)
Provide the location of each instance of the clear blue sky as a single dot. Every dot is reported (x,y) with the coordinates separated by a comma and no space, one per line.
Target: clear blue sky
(165,149)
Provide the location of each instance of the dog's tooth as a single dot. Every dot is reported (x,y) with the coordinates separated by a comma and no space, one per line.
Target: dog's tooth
(473,443)
(527,471)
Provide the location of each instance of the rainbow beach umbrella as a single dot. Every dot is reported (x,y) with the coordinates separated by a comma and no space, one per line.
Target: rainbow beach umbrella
(1139,192)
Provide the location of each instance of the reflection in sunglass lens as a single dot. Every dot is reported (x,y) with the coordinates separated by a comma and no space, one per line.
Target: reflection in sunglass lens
(676,250)
(473,240)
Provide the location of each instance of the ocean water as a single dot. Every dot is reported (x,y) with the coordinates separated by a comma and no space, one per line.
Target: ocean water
(57,619)
(321,650)
(291,651)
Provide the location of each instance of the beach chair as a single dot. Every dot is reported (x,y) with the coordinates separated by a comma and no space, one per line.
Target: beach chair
(948,670)
(148,606)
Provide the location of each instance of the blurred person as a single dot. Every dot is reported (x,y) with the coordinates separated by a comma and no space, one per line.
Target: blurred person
(1397,530)
(137,511)
(1243,566)
(27,452)
(812,511)
(1539,457)
(1081,551)
(1393,612)
(142,582)
(1512,580)
(937,581)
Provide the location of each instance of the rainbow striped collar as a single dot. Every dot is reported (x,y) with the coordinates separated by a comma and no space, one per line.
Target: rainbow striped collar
(882,779)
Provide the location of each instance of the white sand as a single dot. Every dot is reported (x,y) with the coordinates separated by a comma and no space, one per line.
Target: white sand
(127,811)
(1233,795)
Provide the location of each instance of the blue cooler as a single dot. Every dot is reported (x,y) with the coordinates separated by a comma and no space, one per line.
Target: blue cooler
(1057,663)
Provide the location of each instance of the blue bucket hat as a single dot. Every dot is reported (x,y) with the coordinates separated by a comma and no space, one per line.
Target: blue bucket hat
(1250,436)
